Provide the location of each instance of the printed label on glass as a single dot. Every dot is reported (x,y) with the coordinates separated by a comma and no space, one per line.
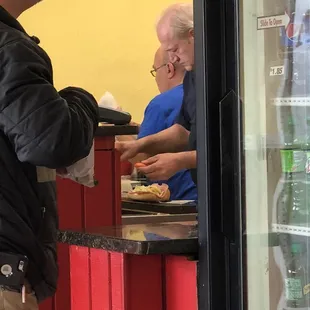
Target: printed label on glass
(293,289)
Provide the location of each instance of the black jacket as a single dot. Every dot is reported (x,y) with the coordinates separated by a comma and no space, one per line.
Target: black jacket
(39,127)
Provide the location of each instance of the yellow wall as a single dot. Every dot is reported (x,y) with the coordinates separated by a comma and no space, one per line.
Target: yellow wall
(101,45)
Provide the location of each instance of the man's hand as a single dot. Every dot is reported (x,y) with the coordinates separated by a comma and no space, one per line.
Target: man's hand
(128,149)
(135,124)
(161,166)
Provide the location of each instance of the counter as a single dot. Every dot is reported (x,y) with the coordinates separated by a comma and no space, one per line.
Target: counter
(80,207)
(113,130)
(189,208)
(133,267)
(142,239)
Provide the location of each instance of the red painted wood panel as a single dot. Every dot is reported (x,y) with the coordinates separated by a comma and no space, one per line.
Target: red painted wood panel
(79,276)
(99,201)
(70,203)
(104,143)
(100,275)
(116,281)
(143,282)
(117,188)
(62,297)
(180,284)
(136,282)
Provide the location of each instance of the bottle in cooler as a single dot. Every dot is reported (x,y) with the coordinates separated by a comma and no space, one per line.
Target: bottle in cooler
(293,95)
(295,279)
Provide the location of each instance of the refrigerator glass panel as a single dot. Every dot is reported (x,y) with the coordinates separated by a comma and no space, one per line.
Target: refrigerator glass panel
(275,92)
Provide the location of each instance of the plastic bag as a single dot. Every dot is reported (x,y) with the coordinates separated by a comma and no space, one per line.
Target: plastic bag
(108,101)
(82,171)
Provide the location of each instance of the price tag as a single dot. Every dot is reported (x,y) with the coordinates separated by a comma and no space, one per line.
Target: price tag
(278,70)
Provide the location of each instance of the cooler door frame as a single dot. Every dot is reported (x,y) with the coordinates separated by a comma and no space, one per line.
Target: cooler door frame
(220,284)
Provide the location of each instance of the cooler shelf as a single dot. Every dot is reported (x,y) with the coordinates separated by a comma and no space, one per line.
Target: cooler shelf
(291,101)
(290,229)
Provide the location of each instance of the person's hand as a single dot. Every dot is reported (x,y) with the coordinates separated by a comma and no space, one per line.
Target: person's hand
(161,166)
(134,124)
(128,149)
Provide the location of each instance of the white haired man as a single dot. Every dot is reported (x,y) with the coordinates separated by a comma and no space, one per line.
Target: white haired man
(176,146)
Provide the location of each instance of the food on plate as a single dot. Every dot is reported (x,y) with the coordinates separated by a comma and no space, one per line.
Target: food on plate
(154,193)
(139,165)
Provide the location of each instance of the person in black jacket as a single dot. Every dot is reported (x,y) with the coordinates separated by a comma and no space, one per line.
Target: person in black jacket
(40,130)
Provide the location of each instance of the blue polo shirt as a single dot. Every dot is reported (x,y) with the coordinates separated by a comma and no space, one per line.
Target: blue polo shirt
(159,115)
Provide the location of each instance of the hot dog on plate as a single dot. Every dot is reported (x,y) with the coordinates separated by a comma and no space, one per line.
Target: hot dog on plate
(154,193)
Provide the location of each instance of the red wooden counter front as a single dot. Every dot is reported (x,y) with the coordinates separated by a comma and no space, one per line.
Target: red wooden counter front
(81,207)
(91,279)
(102,280)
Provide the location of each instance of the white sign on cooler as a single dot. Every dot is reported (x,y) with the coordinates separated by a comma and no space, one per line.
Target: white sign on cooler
(278,70)
(275,21)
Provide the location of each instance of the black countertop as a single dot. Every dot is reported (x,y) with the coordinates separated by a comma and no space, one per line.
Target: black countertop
(116,130)
(144,239)
(168,208)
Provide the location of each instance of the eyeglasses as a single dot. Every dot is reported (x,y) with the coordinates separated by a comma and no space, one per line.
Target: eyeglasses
(153,72)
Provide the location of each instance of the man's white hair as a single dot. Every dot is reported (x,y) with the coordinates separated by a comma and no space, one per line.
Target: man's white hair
(179,17)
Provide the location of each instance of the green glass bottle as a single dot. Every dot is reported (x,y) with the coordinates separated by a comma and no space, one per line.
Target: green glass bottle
(293,204)
(295,278)
(289,132)
(290,200)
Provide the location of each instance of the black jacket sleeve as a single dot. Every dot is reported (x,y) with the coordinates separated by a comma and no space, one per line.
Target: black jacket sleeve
(182,119)
(45,128)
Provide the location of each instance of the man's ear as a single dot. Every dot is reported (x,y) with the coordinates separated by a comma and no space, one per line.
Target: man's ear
(170,70)
(191,33)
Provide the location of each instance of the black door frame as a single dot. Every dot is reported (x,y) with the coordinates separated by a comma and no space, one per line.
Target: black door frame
(220,284)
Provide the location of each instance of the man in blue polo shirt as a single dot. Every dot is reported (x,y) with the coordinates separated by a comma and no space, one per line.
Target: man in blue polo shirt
(161,113)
